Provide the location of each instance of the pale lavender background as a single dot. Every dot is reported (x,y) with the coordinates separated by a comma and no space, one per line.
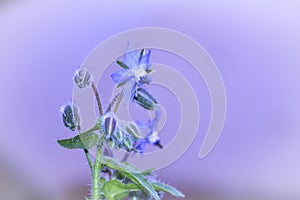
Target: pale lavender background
(255,44)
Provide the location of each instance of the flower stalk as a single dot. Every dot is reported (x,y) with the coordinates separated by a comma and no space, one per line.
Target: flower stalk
(96,188)
(97,99)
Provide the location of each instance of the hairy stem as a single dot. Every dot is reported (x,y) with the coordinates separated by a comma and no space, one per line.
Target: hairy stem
(96,193)
(97,99)
(125,157)
(86,152)
(88,157)
(119,99)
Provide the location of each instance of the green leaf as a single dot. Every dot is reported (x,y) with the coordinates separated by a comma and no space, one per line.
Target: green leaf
(167,188)
(116,190)
(148,172)
(123,65)
(81,141)
(116,165)
(132,173)
(143,182)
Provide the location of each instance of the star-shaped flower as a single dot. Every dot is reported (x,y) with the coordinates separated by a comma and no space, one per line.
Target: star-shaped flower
(135,72)
(152,136)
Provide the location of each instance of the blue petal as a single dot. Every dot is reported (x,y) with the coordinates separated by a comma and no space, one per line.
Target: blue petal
(141,146)
(122,76)
(128,91)
(154,123)
(131,57)
(145,60)
(153,139)
(143,125)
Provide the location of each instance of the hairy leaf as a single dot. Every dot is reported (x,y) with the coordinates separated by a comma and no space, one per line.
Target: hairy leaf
(132,173)
(116,190)
(81,141)
(167,188)
(119,166)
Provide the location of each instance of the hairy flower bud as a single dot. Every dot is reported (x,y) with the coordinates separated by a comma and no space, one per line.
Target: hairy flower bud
(70,116)
(129,142)
(145,99)
(82,78)
(108,124)
(118,136)
(133,130)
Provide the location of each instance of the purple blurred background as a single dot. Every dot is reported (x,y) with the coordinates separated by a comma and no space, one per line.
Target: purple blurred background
(255,45)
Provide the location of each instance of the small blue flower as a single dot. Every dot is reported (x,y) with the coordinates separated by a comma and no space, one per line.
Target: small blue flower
(135,72)
(152,136)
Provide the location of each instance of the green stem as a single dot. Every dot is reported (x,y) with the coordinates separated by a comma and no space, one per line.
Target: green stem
(86,152)
(118,101)
(94,128)
(96,193)
(97,99)
(88,157)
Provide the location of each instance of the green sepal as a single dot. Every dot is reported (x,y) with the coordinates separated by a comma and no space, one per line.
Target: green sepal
(141,54)
(123,65)
(145,99)
(133,129)
(149,71)
(121,84)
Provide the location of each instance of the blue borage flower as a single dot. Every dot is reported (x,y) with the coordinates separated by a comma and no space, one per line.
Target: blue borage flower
(135,72)
(152,136)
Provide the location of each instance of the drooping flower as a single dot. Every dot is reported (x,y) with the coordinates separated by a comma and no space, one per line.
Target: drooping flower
(152,136)
(135,72)
(70,116)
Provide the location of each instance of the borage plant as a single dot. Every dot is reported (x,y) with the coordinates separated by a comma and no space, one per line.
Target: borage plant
(113,179)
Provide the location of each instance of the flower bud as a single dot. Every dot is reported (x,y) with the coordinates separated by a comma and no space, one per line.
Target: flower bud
(129,142)
(82,78)
(70,116)
(145,99)
(108,125)
(118,136)
(111,143)
(133,130)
